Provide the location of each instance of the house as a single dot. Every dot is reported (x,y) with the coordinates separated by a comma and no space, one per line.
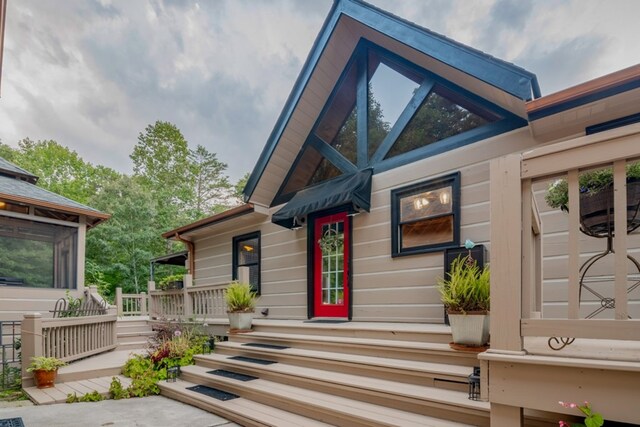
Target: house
(395,146)
(42,241)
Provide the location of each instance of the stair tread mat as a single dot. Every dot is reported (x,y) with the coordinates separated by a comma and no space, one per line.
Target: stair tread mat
(362,359)
(11,422)
(343,405)
(426,393)
(230,374)
(250,409)
(262,345)
(353,340)
(213,392)
(253,360)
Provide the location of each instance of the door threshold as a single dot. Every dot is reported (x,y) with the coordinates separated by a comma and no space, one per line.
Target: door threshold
(327,320)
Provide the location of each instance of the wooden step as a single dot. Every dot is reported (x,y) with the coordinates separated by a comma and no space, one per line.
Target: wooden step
(337,410)
(399,370)
(421,399)
(125,337)
(419,332)
(58,393)
(242,411)
(135,327)
(408,350)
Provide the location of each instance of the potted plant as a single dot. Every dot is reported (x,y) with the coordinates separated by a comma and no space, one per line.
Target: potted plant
(465,294)
(596,199)
(241,302)
(173,281)
(45,370)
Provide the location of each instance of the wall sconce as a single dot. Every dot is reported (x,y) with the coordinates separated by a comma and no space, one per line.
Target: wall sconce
(297,223)
(173,373)
(474,384)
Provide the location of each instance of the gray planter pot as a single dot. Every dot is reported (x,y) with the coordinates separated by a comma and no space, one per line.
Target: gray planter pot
(470,329)
(240,321)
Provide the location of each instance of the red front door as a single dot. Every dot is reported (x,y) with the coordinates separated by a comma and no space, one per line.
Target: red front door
(331,261)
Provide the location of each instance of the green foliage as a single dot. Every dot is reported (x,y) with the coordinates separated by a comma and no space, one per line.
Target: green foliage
(466,288)
(166,281)
(73,305)
(238,188)
(211,188)
(240,298)
(590,182)
(93,396)
(592,419)
(116,390)
(144,376)
(41,363)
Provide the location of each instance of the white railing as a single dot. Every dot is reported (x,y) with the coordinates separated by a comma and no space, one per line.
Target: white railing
(517,244)
(132,304)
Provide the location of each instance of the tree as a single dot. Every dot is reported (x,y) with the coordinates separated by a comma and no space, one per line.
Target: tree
(119,250)
(211,188)
(238,191)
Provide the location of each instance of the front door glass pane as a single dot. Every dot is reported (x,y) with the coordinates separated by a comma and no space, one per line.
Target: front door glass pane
(333,264)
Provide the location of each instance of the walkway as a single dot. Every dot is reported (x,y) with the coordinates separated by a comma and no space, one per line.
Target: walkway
(155,411)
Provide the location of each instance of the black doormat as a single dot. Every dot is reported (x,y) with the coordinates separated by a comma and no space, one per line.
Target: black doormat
(271,346)
(11,422)
(252,360)
(213,392)
(325,321)
(232,375)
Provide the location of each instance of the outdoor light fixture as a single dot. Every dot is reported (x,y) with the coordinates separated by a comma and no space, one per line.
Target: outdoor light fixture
(297,223)
(474,384)
(173,373)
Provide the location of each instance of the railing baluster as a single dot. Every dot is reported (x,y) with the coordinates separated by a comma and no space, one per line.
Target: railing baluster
(573,287)
(620,241)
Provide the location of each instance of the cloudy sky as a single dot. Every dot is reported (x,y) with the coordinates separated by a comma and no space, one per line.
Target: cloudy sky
(91,74)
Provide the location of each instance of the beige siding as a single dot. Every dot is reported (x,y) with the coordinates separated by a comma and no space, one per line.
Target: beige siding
(16,301)
(384,288)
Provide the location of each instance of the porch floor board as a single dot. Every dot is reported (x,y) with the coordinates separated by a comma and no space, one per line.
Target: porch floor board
(58,393)
(102,365)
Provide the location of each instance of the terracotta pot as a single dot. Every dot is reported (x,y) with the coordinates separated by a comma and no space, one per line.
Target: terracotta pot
(45,379)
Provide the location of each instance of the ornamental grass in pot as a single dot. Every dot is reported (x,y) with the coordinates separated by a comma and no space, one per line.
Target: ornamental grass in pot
(45,370)
(241,302)
(465,294)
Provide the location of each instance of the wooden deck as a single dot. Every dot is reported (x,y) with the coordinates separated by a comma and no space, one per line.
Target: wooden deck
(58,394)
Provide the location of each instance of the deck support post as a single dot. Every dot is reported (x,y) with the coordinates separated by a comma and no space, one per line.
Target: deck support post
(31,333)
(506,416)
(187,305)
(119,301)
(143,304)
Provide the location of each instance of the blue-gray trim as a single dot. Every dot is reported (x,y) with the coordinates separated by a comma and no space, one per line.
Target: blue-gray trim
(397,194)
(234,260)
(500,74)
(582,100)
(331,154)
(363,109)
(612,124)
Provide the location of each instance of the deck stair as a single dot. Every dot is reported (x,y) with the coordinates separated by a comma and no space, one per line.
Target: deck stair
(133,332)
(344,374)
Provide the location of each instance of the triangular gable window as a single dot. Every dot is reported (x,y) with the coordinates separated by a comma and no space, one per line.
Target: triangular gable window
(443,114)
(383,108)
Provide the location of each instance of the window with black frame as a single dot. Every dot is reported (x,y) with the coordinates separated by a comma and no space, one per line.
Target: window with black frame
(426,216)
(246,253)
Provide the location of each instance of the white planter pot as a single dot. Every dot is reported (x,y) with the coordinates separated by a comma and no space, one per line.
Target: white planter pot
(240,321)
(470,329)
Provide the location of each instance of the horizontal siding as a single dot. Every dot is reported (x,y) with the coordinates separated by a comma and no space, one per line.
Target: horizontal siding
(16,301)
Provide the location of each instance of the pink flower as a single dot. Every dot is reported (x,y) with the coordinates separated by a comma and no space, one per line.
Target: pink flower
(573,405)
(177,333)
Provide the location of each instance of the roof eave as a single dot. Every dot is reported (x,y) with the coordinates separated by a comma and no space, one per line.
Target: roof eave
(214,219)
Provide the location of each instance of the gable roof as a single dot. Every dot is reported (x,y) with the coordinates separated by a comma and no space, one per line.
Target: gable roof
(18,185)
(358,20)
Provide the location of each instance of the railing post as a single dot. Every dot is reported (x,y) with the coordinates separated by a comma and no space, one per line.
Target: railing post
(31,332)
(143,304)
(119,300)
(187,304)
(153,310)
(243,274)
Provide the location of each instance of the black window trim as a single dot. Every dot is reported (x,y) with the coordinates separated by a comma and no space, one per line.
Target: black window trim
(234,267)
(431,184)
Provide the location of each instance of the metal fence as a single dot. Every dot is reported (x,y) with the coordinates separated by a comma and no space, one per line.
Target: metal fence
(10,346)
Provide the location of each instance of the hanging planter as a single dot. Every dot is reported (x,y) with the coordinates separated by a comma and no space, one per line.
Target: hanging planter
(331,241)
(596,200)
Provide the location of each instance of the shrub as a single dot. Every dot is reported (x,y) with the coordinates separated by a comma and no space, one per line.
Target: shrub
(93,396)
(41,363)
(117,391)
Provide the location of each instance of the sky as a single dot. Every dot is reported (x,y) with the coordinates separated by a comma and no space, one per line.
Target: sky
(92,74)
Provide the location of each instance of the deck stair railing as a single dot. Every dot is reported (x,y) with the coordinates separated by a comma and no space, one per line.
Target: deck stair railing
(132,304)
(517,249)
(202,301)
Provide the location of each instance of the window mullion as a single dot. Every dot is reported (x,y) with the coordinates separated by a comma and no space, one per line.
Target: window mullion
(362,110)
(332,155)
(416,101)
